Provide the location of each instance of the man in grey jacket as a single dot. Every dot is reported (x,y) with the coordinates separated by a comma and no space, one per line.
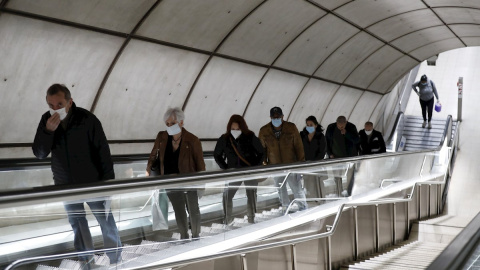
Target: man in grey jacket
(426,90)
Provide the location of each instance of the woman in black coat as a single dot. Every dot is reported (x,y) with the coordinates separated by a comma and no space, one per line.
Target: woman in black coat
(240,148)
(314,142)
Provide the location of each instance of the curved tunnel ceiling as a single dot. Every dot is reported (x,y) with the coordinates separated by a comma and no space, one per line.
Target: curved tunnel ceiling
(127,61)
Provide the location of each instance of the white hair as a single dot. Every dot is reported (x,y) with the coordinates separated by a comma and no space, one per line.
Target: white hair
(176,112)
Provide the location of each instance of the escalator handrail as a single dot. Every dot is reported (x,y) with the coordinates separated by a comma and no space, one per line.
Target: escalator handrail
(447,130)
(400,117)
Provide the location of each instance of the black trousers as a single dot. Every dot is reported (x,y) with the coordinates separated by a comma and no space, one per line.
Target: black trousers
(179,200)
(424,105)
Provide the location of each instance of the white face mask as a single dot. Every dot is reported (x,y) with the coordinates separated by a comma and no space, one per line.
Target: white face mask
(61,112)
(368,132)
(235,133)
(175,129)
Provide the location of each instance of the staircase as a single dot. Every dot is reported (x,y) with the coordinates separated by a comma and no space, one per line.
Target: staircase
(427,240)
(419,138)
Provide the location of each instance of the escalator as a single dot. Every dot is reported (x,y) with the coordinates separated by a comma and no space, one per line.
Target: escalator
(36,235)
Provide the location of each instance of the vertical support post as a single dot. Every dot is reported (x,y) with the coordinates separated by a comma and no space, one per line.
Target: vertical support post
(419,189)
(394,224)
(439,198)
(355,233)
(460,98)
(294,256)
(407,215)
(329,255)
(377,229)
(428,199)
(243,259)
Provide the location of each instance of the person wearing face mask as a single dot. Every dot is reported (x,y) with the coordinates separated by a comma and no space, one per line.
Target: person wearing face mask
(283,144)
(426,91)
(179,151)
(314,142)
(79,154)
(371,141)
(342,139)
(240,148)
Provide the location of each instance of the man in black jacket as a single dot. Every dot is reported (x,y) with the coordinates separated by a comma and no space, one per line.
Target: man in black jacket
(342,139)
(371,141)
(80,154)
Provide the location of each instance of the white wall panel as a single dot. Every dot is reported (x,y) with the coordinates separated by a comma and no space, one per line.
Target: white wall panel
(449,3)
(403,24)
(147,79)
(432,49)
(364,108)
(313,46)
(458,15)
(36,54)
(332,4)
(367,71)
(313,100)
(376,117)
(393,73)
(422,37)
(267,31)
(367,12)
(341,63)
(278,88)
(223,89)
(198,24)
(341,104)
(117,15)
(466,30)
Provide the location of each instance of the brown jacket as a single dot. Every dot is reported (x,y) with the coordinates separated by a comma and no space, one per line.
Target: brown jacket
(287,149)
(190,158)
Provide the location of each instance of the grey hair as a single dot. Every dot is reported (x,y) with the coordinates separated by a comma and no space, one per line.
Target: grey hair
(176,112)
(341,119)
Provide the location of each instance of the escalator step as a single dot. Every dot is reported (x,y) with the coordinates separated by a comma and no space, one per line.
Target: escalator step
(45,267)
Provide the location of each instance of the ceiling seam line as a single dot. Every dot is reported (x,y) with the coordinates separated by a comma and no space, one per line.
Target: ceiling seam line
(433,11)
(404,35)
(328,105)
(385,69)
(63,22)
(275,60)
(119,53)
(370,117)
(354,106)
(360,28)
(213,53)
(298,96)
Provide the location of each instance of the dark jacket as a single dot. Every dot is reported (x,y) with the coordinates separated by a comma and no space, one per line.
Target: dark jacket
(190,158)
(315,149)
(351,139)
(376,144)
(80,154)
(248,145)
(287,149)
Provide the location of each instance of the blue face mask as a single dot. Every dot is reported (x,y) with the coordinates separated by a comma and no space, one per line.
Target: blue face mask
(310,129)
(276,122)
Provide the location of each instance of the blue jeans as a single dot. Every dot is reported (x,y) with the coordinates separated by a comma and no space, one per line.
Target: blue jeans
(294,181)
(82,237)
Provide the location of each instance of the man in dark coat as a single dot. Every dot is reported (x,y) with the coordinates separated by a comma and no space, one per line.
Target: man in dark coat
(371,141)
(80,154)
(342,139)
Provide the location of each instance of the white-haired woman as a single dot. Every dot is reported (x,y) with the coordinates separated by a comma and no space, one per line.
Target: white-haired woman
(179,151)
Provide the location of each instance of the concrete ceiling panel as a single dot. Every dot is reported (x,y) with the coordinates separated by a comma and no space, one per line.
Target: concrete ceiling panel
(422,37)
(452,15)
(342,104)
(346,58)
(432,49)
(472,41)
(314,45)
(466,30)
(223,89)
(405,23)
(364,108)
(147,79)
(332,4)
(392,74)
(367,71)
(367,12)
(313,100)
(378,112)
(278,88)
(457,3)
(267,31)
(197,24)
(36,54)
(116,15)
